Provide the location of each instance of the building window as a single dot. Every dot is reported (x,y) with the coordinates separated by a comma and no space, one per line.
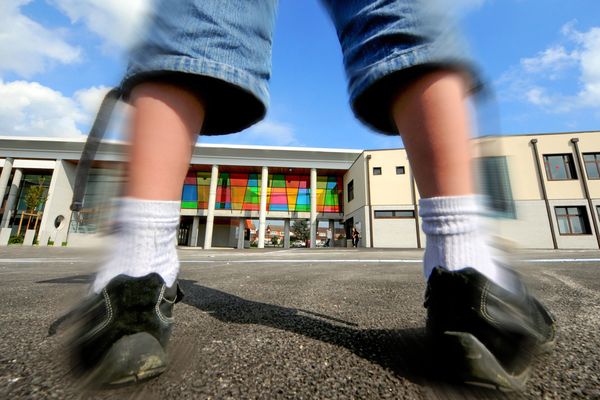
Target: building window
(592,165)
(376,170)
(572,220)
(560,167)
(350,191)
(495,186)
(400,171)
(394,214)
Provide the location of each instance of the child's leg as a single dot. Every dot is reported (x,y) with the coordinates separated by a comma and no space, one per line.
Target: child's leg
(432,116)
(164,129)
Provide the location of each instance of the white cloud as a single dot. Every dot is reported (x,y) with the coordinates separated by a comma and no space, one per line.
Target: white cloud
(272,133)
(563,77)
(89,101)
(461,7)
(265,133)
(538,96)
(552,59)
(27,47)
(31,109)
(590,67)
(118,22)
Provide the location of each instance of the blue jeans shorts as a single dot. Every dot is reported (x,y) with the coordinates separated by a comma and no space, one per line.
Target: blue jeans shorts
(221,49)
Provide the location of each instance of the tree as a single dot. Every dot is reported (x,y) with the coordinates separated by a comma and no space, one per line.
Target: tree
(275,240)
(300,229)
(35,197)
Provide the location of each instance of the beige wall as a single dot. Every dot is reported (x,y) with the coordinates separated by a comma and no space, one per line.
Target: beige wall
(523,170)
(356,173)
(389,188)
(521,163)
(531,229)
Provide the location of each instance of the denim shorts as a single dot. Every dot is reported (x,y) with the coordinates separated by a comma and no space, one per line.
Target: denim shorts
(221,49)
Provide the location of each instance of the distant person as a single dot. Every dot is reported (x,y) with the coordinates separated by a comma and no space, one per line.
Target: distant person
(203,67)
(355,237)
(329,237)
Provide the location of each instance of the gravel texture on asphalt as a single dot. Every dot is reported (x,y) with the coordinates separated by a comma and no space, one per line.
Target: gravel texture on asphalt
(297,324)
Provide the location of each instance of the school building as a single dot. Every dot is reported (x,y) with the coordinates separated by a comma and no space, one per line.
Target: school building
(543,192)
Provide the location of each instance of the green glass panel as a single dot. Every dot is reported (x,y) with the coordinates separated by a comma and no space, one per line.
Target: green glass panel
(302,207)
(189,204)
(277,181)
(321,182)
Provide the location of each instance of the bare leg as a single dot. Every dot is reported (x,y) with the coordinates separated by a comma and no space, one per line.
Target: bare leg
(433,119)
(164,130)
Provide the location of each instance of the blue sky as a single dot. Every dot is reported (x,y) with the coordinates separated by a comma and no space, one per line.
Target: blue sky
(541,57)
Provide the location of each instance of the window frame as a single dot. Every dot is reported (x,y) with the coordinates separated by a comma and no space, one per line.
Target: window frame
(595,163)
(350,190)
(379,171)
(401,168)
(394,216)
(582,216)
(568,165)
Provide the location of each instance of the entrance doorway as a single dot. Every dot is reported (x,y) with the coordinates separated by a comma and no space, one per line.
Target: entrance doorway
(185,231)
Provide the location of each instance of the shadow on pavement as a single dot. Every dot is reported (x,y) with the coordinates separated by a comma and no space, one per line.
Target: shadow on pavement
(406,352)
(86,278)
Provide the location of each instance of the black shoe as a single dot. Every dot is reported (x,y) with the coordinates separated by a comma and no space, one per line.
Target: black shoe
(486,334)
(123,331)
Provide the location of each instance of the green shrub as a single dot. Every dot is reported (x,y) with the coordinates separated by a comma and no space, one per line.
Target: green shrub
(14,239)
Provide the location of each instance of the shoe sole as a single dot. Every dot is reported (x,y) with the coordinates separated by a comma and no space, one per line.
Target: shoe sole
(480,367)
(131,359)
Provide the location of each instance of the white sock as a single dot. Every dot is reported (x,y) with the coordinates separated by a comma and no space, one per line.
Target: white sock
(143,243)
(456,239)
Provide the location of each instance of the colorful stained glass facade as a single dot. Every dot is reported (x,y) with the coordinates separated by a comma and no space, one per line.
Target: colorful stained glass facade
(241,191)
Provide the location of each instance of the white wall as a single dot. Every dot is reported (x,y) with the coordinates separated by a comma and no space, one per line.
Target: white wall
(394,233)
(531,229)
(60,194)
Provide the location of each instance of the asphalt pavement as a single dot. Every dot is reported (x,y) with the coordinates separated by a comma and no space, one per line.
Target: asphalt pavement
(291,324)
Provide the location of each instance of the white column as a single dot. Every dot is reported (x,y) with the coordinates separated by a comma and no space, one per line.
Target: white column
(241,233)
(262,216)
(313,207)
(5,176)
(60,194)
(286,234)
(194,232)
(332,229)
(212,199)
(12,197)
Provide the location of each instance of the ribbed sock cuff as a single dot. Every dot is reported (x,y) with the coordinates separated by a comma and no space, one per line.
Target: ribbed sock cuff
(144,241)
(455,237)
